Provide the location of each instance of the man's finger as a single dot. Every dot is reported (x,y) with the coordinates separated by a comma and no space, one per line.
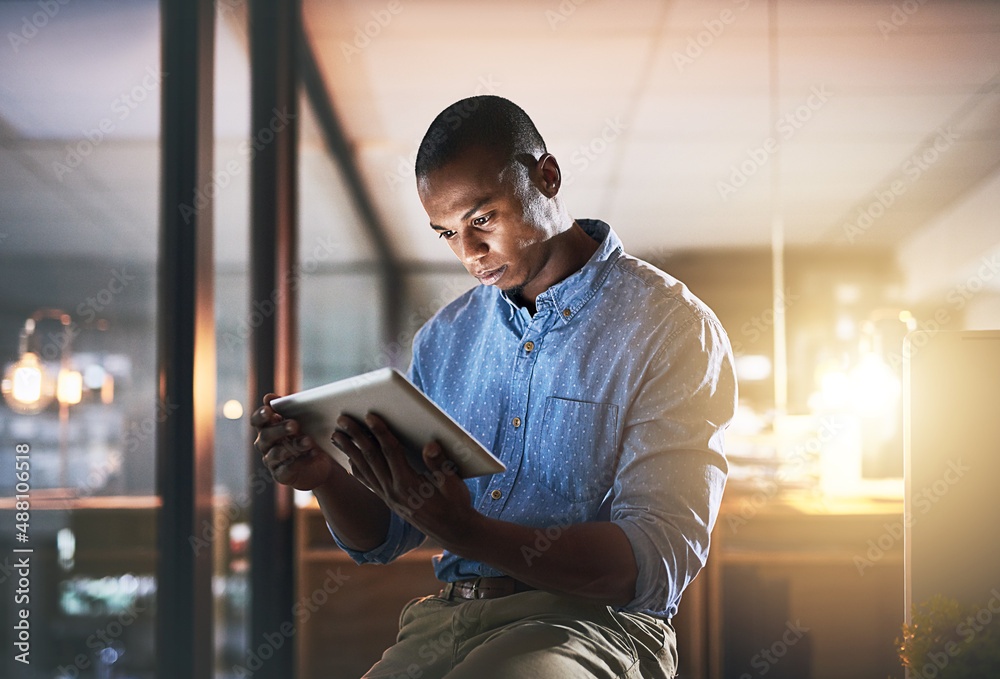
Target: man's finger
(279,455)
(265,414)
(359,464)
(433,456)
(273,435)
(370,447)
(439,465)
(397,467)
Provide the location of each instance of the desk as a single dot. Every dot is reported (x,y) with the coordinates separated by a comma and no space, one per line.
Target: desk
(835,565)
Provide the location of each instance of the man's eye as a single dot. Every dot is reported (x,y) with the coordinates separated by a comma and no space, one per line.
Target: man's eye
(446,234)
(479,221)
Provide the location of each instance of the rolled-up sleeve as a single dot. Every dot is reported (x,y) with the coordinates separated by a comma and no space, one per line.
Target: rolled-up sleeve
(672,470)
(401,538)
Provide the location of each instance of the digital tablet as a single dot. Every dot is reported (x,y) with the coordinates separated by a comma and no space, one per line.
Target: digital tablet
(409,414)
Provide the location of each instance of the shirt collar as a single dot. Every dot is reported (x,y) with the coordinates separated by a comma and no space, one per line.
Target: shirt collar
(568,296)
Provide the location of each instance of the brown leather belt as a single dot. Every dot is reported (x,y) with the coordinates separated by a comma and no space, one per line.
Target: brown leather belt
(486,588)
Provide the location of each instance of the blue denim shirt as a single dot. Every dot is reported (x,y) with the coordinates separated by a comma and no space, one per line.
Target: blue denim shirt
(608,404)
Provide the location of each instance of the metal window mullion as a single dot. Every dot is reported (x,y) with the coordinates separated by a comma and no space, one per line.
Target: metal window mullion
(274,29)
(185,343)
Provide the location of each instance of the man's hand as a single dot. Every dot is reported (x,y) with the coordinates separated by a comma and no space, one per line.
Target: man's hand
(292,459)
(593,561)
(438,503)
(353,512)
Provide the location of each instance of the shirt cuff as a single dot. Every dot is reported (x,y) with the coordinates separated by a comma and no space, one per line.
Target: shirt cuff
(392,547)
(653,591)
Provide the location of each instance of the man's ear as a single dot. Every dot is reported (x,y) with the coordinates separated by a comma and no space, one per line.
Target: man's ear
(549,174)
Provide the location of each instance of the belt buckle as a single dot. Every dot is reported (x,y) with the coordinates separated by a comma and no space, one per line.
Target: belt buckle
(475,587)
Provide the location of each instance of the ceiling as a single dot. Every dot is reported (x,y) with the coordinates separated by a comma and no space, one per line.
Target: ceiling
(653,106)
(65,198)
(671,141)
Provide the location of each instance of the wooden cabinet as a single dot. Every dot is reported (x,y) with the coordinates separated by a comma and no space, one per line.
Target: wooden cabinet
(341,634)
(797,587)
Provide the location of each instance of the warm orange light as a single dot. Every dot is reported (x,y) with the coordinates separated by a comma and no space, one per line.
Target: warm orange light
(108,389)
(69,388)
(906,317)
(875,390)
(232,410)
(25,386)
(835,387)
(27,382)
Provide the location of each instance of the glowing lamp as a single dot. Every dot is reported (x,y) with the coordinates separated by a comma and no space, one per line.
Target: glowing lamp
(26,386)
(69,389)
(27,382)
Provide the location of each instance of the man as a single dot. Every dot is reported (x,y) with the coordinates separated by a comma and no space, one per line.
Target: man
(601,382)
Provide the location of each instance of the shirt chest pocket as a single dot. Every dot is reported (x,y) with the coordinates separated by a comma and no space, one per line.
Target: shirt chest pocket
(576,450)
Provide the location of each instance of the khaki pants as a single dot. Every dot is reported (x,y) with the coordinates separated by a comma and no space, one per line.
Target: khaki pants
(532,634)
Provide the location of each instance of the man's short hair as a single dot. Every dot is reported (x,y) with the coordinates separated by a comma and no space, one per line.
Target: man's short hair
(487,121)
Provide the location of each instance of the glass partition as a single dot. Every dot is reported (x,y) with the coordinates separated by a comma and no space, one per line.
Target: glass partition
(79,161)
(229,533)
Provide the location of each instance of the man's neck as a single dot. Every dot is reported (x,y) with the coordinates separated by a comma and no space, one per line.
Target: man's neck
(573,250)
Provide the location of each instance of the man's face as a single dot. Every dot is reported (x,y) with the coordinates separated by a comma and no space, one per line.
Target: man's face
(495,220)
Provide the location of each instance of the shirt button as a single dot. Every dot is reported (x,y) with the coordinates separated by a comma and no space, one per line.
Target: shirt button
(567,312)
(528,346)
(516,422)
(496,495)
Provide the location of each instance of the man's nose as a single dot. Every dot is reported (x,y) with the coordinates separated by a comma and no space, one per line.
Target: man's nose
(474,247)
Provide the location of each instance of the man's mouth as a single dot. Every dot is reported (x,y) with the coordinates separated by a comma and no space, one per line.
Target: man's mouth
(492,276)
